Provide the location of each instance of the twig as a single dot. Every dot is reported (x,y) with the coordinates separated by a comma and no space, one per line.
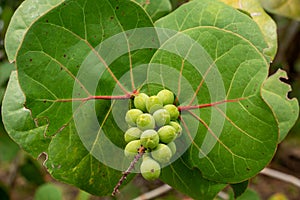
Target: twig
(154,193)
(141,152)
(281,176)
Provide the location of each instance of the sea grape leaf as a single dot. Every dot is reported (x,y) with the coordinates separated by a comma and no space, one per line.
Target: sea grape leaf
(27,13)
(190,181)
(70,162)
(48,191)
(287,8)
(18,121)
(234,140)
(239,188)
(263,20)
(50,56)
(275,93)
(5,68)
(156,8)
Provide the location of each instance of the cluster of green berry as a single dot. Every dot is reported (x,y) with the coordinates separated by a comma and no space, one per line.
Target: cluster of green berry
(152,125)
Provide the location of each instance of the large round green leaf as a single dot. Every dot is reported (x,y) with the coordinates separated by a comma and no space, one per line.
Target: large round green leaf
(237,138)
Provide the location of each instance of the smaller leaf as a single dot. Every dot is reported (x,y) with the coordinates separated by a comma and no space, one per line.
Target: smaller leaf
(239,188)
(48,191)
(248,194)
(287,8)
(156,8)
(5,70)
(286,110)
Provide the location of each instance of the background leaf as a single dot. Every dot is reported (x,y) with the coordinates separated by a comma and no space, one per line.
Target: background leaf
(23,18)
(263,20)
(156,8)
(48,191)
(275,93)
(287,8)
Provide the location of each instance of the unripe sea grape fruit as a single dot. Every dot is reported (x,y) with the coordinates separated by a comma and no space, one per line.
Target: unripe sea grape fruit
(132,115)
(177,127)
(167,134)
(172,146)
(161,117)
(150,169)
(145,121)
(162,153)
(132,133)
(140,101)
(131,149)
(153,103)
(166,96)
(149,139)
(173,110)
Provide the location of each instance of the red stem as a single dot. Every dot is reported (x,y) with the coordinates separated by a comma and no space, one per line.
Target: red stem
(183,108)
(127,96)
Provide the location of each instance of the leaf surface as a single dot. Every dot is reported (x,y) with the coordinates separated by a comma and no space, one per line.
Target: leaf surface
(18,122)
(23,18)
(235,139)
(156,8)
(263,20)
(275,93)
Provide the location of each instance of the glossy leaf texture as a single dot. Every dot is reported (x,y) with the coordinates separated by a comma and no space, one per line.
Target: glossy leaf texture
(263,20)
(156,8)
(24,17)
(287,8)
(286,110)
(237,138)
(67,158)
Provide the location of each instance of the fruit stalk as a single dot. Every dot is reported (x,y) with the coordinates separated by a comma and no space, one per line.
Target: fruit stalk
(141,152)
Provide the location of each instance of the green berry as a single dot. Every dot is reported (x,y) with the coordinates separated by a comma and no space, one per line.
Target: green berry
(132,115)
(153,103)
(132,133)
(162,153)
(167,134)
(166,96)
(145,121)
(150,169)
(177,127)
(173,110)
(140,101)
(131,149)
(172,146)
(149,139)
(161,117)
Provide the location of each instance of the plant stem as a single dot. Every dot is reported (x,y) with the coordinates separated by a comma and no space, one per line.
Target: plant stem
(141,152)
(184,108)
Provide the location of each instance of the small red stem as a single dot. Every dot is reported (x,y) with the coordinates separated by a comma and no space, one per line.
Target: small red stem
(127,96)
(183,108)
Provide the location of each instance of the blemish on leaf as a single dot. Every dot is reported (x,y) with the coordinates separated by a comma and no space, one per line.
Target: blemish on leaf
(30,59)
(47,20)
(117,7)
(112,17)
(65,55)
